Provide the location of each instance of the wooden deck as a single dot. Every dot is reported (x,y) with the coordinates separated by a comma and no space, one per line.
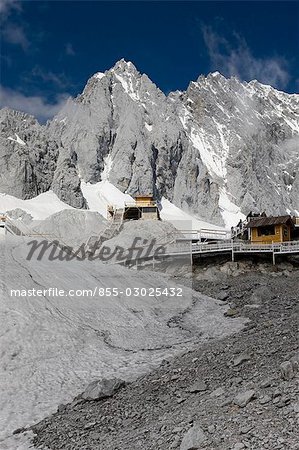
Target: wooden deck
(192,243)
(183,248)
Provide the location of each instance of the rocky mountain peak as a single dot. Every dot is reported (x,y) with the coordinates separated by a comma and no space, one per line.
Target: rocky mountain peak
(218,150)
(124,66)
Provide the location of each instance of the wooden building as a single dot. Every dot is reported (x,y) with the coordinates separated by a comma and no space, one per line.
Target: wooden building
(144,200)
(2,220)
(143,208)
(265,230)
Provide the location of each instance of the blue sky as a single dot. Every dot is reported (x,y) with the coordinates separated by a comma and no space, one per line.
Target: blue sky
(50,48)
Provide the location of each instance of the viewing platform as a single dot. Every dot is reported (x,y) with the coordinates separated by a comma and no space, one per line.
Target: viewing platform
(181,247)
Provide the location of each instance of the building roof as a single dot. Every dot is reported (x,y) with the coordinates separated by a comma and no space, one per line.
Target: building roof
(144,196)
(257,222)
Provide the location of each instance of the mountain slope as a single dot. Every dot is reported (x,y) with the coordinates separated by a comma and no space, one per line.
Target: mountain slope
(221,148)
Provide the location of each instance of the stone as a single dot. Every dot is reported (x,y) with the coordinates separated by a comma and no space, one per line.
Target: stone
(265,399)
(177,430)
(295,362)
(22,430)
(226,402)
(61,408)
(217,392)
(240,359)
(198,386)
(243,398)
(222,296)
(286,370)
(245,429)
(238,446)
(231,312)
(295,407)
(265,384)
(193,439)
(89,425)
(236,380)
(174,378)
(102,388)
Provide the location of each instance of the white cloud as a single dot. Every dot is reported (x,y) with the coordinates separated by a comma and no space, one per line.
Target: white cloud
(69,49)
(7,6)
(58,79)
(12,32)
(15,34)
(237,60)
(35,105)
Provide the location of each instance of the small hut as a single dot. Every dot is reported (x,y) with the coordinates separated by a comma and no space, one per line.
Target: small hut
(265,230)
(144,207)
(2,220)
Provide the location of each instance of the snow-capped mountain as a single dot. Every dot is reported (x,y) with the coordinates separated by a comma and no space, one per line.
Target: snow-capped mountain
(218,149)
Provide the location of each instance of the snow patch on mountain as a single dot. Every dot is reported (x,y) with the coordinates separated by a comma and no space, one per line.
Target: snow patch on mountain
(213,161)
(148,127)
(102,194)
(39,207)
(128,87)
(182,220)
(17,139)
(230,212)
(99,75)
(107,168)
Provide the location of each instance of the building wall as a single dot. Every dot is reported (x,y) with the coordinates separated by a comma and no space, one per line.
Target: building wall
(144,201)
(149,215)
(282,233)
(286,233)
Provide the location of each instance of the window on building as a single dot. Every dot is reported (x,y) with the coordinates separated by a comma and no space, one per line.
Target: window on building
(149,209)
(269,230)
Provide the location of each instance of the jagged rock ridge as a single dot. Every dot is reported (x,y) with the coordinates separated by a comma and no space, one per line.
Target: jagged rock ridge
(219,144)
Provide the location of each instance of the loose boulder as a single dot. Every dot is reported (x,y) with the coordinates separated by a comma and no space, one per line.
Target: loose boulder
(193,439)
(244,398)
(100,389)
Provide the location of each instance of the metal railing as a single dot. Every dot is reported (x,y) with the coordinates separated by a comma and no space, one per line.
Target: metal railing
(205,233)
(236,247)
(140,204)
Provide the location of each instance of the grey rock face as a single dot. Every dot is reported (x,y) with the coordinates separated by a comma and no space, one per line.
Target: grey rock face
(247,134)
(20,214)
(220,141)
(28,155)
(66,184)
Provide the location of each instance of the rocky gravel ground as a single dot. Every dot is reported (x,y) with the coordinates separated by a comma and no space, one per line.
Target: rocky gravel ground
(237,393)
